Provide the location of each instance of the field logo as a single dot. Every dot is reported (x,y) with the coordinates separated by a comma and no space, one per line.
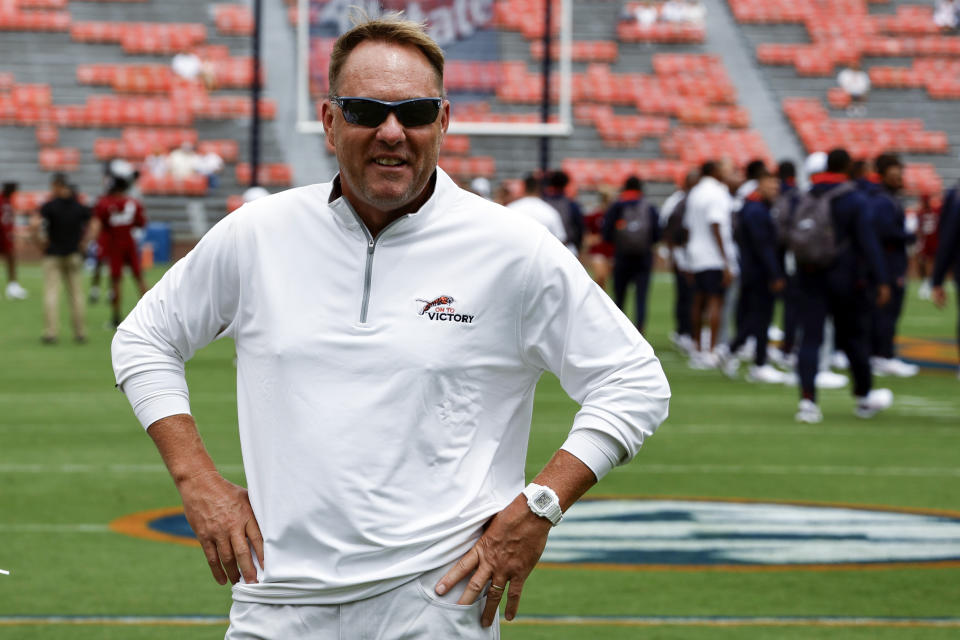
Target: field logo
(439,309)
(684,534)
(678,534)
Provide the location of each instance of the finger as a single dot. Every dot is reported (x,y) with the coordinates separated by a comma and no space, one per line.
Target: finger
(494,596)
(475,586)
(460,570)
(513,598)
(228,559)
(213,559)
(255,537)
(244,558)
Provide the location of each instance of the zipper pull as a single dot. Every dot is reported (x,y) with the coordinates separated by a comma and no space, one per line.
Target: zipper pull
(370,245)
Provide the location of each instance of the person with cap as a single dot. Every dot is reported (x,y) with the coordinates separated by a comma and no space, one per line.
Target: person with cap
(390,329)
(62,231)
(117,215)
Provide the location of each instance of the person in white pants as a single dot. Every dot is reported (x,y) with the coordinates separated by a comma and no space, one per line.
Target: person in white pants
(390,329)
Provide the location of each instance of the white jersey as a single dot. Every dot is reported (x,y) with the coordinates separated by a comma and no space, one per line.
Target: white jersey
(385,387)
(542,212)
(709,202)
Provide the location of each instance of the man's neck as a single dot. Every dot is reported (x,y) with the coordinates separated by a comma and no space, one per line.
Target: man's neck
(376,220)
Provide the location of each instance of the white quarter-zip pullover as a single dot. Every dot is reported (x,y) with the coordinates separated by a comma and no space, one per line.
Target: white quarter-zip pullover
(385,386)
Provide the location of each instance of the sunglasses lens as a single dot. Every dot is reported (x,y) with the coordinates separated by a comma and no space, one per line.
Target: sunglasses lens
(417,113)
(367,112)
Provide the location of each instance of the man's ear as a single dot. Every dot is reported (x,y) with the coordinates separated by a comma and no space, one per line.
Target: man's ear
(326,117)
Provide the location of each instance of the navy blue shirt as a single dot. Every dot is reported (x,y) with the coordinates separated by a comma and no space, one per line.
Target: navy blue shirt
(948,250)
(858,249)
(889,221)
(756,238)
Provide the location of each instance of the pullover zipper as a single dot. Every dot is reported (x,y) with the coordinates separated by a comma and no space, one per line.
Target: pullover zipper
(368,269)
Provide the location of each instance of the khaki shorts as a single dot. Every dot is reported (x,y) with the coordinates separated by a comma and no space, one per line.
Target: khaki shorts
(412,611)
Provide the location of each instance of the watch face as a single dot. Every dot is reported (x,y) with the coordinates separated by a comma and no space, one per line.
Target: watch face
(542,500)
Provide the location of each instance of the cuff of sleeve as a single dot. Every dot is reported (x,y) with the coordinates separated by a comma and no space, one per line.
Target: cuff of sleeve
(157,394)
(598,450)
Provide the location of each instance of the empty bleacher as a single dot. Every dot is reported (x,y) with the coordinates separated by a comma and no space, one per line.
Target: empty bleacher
(93,81)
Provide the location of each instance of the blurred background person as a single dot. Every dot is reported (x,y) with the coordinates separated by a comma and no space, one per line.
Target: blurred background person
(948,253)
(8,245)
(532,205)
(632,226)
(675,235)
(117,214)
(710,255)
(856,83)
(60,230)
(555,194)
(599,252)
(928,221)
(889,221)
(761,278)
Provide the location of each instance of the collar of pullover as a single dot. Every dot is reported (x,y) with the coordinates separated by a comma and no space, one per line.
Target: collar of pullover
(345,214)
(828,177)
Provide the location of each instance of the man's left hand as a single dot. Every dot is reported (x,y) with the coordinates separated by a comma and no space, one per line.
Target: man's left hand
(506,553)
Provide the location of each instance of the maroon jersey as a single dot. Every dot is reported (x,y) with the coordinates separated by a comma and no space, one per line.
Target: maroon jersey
(119,215)
(7,221)
(928,221)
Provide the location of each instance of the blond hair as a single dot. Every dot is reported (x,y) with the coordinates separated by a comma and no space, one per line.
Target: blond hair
(392,28)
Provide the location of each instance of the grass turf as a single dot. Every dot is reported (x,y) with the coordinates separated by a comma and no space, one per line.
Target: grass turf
(72,459)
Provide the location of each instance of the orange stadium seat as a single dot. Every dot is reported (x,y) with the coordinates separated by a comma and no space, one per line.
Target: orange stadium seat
(59,159)
(271,175)
(233,19)
(47,135)
(192,186)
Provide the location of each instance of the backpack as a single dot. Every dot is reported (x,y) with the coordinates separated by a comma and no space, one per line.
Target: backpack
(675,232)
(782,214)
(810,235)
(633,229)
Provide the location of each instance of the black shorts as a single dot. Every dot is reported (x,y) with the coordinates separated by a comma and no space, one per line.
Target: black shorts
(709,282)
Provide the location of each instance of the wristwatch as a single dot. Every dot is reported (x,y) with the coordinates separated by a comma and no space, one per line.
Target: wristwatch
(543,501)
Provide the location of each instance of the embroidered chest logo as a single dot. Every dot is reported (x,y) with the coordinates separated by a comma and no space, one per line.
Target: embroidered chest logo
(440,309)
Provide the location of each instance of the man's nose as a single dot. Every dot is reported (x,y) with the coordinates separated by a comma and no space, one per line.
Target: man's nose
(390,130)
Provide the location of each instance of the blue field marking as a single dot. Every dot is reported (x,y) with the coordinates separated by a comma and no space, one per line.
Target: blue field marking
(532,620)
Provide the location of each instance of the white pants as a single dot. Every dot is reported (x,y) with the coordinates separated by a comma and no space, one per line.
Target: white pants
(412,611)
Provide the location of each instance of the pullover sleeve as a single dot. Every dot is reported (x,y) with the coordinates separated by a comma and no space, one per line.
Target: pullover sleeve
(763,236)
(948,250)
(570,327)
(610,219)
(194,303)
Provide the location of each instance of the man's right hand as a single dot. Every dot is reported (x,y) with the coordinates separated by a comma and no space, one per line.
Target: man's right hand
(221,517)
(883,295)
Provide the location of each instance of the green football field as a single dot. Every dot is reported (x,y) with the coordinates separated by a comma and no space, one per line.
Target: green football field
(73,460)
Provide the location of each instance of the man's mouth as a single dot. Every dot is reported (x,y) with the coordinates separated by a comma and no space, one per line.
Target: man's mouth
(389,162)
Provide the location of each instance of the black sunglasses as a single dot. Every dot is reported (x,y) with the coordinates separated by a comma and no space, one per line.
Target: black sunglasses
(367,112)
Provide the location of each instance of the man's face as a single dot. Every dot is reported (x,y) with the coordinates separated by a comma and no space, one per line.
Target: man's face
(386,167)
(893,178)
(769,188)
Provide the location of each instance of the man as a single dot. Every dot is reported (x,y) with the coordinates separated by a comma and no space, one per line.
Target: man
(390,328)
(948,251)
(830,282)
(710,253)
(761,278)
(675,233)
(116,215)
(555,194)
(533,206)
(7,241)
(64,220)
(782,213)
(856,83)
(889,221)
(632,226)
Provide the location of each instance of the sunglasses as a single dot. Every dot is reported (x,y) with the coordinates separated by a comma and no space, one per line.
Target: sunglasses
(367,112)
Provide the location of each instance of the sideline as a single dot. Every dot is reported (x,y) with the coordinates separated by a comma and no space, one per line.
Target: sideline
(556,621)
